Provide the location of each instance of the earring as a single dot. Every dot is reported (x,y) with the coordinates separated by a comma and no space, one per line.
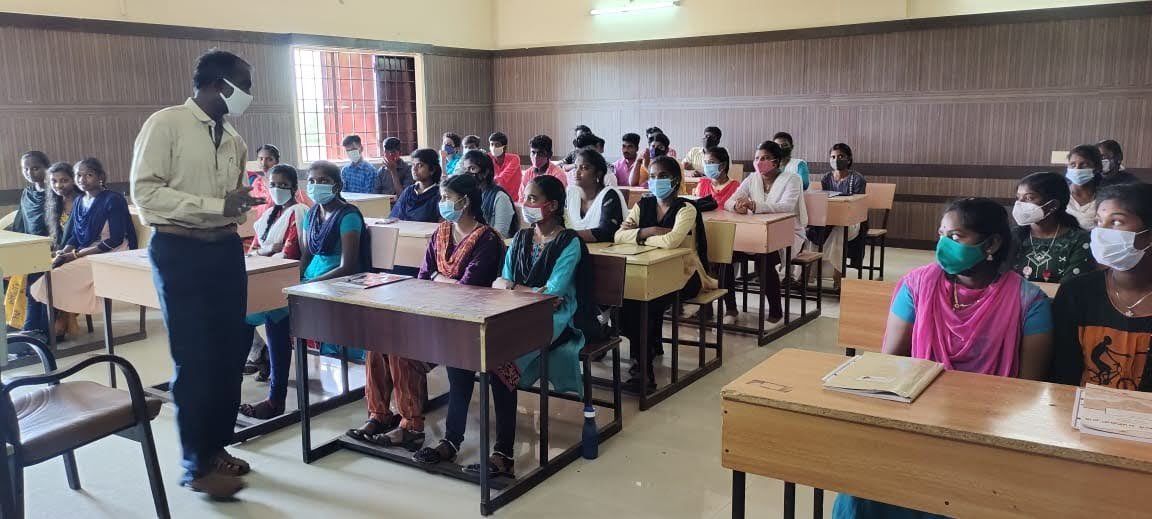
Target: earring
(989,257)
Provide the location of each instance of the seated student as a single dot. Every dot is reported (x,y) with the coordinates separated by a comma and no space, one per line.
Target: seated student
(1051,245)
(59,203)
(25,312)
(395,174)
(1084,174)
(694,161)
(787,163)
(267,156)
(450,153)
(100,223)
(846,181)
(652,131)
(507,165)
(968,312)
(771,190)
(545,258)
(1103,317)
(417,203)
(658,147)
(666,221)
(569,159)
(630,151)
(358,176)
(540,150)
(594,210)
(496,204)
(279,233)
(718,185)
(471,142)
(1112,164)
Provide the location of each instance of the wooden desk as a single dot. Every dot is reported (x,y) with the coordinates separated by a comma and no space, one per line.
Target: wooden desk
(760,234)
(410,239)
(837,211)
(467,327)
(648,276)
(144,231)
(371,205)
(969,446)
(22,254)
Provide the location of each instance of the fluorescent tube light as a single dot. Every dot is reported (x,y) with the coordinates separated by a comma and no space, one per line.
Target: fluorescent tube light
(635,7)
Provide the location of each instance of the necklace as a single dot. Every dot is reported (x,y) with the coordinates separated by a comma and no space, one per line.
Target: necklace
(1050,243)
(1128,309)
(956,304)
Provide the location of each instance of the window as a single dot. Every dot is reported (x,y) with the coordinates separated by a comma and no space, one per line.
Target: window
(342,93)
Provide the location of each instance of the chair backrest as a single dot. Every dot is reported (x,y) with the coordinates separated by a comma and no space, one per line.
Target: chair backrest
(609,285)
(880,196)
(721,241)
(863,313)
(816,204)
(736,171)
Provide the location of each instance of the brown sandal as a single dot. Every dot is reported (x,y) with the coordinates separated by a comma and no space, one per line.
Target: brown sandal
(262,410)
(499,466)
(399,437)
(443,451)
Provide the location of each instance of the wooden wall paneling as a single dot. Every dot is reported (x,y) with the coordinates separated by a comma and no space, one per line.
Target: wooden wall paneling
(458,97)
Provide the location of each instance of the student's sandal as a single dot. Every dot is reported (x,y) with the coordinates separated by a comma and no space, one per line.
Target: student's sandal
(443,451)
(499,466)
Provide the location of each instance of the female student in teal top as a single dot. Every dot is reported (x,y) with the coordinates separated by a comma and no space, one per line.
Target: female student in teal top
(544,258)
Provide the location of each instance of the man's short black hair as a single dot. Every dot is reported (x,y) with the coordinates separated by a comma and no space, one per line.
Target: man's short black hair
(583,128)
(631,138)
(541,143)
(586,140)
(352,140)
(215,65)
(391,144)
(715,130)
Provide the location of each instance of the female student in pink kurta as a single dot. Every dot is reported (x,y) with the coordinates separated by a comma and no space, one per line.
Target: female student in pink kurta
(720,187)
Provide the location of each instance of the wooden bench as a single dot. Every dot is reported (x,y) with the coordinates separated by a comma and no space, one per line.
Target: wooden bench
(607,292)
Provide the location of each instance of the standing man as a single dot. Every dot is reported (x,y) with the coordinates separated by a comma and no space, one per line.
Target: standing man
(358,176)
(187,179)
(395,174)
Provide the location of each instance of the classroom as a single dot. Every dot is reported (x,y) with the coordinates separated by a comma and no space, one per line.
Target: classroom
(851,259)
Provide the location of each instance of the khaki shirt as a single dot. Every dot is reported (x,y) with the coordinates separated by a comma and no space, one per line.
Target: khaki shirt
(178,176)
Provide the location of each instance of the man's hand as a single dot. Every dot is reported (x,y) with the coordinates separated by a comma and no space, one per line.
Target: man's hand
(238,202)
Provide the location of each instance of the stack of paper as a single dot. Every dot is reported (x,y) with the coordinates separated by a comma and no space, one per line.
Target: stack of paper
(1113,412)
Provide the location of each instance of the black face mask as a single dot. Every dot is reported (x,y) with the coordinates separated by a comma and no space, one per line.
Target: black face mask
(710,143)
(840,164)
(659,152)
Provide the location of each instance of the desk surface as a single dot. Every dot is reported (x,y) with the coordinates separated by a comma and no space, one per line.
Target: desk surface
(16,239)
(356,197)
(651,257)
(138,260)
(414,296)
(407,229)
(721,215)
(1020,415)
(847,198)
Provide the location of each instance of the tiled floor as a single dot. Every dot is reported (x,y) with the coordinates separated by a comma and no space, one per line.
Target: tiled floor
(665,464)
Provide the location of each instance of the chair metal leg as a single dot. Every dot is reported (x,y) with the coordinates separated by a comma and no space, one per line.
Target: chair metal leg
(617,390)
(871,258)
(17,471)
(587,380)
(88,321)
(70,470)
(152,465)
(883,246)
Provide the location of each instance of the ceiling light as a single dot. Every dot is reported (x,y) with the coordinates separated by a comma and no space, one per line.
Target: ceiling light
(631,7)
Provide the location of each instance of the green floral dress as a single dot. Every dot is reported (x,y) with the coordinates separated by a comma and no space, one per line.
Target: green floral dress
(1051,260)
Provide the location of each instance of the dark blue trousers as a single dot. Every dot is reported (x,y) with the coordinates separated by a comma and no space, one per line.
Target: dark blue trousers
(279,357)
(203,291)
(35,312)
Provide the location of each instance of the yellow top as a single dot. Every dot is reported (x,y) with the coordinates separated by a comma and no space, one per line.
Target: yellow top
(179,177)
(679,237)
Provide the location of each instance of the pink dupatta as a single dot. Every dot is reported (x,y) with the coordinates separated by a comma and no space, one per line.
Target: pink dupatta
(983,338)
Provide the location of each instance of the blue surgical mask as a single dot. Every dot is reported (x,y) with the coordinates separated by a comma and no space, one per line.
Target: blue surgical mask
(321,193)
(712,170)
(1080,176)
(449,212)
(449,149)
(661,187)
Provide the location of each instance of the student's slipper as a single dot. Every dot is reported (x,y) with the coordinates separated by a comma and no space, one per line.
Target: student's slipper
(499,466)
(443,451)
(398,437)
(262,410)
(373,427)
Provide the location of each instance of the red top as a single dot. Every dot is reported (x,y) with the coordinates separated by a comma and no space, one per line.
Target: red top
(706,188)
(507,172)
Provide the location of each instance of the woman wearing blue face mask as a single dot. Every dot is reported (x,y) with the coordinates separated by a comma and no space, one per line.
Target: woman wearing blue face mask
(1103,318)
(1084,174)
(450,152)
(666,221)
(968,312)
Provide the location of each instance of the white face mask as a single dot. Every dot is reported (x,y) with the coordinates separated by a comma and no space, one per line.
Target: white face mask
(354,155)
(238,102)
(497,151)
(1116,249)
(1027,213)
(280,196)
(533,215)
(1106,164)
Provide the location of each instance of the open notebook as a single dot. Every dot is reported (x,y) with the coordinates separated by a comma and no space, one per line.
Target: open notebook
(890,377)
(1115,413)
(368,280)
(627,249)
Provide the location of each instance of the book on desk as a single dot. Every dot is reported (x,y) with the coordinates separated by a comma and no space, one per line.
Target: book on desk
(889,377)
(1115,413)
(627,249)
(368,280)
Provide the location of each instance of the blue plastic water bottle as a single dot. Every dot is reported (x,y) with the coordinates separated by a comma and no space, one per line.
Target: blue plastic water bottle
(589,438)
